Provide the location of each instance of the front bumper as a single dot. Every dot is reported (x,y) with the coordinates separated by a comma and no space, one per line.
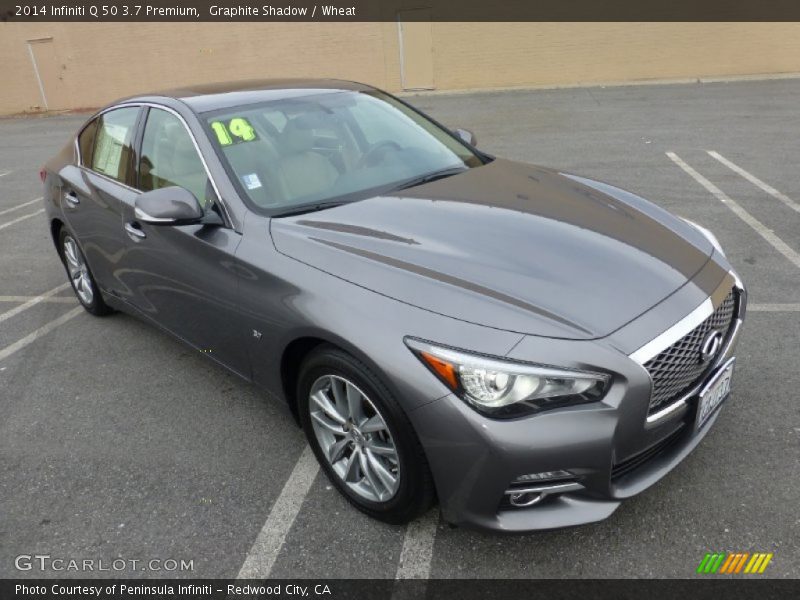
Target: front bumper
(611,448)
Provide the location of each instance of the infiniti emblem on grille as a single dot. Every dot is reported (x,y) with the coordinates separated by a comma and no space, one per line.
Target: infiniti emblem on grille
(710,346)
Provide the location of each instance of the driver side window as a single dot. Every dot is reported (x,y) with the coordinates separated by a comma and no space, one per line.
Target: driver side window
(169,158)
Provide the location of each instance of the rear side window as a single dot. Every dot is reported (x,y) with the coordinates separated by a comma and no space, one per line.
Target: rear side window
(112,147)
(86,143)
(169,157)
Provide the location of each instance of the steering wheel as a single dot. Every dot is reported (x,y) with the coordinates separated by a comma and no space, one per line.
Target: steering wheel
(375,154)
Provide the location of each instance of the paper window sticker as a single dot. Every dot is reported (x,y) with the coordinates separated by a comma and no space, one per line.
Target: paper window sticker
(251,181)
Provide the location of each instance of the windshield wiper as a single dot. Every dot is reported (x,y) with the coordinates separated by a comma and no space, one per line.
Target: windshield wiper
(428,177)
(307,208)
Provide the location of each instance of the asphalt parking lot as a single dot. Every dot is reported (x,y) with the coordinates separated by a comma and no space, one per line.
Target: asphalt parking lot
(118,442)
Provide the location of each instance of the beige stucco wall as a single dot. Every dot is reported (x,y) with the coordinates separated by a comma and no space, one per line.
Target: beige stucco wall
(102,61)
(93,63)
(566,53)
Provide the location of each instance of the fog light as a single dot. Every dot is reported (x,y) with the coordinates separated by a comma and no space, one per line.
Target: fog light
(544,476)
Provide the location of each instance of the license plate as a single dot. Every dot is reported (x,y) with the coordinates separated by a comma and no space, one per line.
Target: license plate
(714,393)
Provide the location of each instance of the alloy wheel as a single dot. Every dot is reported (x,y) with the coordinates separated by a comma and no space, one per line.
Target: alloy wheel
(78,271)
(354,438)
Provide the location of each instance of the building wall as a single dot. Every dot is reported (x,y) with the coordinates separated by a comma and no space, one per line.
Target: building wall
(98,62)
(518,54)
(84,65)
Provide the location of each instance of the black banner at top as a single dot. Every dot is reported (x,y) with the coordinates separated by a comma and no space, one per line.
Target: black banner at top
(255,11)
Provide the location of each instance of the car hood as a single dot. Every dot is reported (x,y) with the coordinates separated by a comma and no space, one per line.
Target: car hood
(509,246)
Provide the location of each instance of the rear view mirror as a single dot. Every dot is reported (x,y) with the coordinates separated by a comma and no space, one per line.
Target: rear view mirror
(168,206)
(467,136)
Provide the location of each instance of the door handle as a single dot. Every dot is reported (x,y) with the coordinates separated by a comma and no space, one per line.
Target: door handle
(134,232)
(72,199)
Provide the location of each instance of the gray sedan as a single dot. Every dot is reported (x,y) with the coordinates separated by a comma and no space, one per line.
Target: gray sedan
(526,346)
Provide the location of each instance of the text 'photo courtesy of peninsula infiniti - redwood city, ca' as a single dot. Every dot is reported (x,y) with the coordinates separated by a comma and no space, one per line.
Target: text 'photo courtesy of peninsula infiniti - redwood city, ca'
(524,346)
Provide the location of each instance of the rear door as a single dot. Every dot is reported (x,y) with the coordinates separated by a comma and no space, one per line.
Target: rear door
(95,190)
(183,277)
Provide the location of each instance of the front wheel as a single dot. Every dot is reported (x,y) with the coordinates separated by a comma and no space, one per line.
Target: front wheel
(362,438)
(80,276)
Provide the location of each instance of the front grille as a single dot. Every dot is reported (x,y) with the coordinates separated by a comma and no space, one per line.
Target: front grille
(676,369)
(636,461)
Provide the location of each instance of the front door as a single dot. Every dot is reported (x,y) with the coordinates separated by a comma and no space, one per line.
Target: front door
(183,277)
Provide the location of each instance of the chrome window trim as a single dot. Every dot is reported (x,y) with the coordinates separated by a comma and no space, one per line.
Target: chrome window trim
(78,157)
(79,161)
(676,332)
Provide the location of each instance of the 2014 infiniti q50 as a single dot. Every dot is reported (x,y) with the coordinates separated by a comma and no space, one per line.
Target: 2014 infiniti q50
(527,346)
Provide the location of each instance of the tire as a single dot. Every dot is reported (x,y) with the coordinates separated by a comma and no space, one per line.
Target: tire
(381,425)
(80,276)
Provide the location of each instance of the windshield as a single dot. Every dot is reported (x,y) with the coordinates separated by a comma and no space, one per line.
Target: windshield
(331,145)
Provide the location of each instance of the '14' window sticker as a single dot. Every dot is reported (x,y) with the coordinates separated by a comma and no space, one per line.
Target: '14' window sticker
(235,131)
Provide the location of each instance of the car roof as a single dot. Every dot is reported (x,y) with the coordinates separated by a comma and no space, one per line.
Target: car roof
(214,96)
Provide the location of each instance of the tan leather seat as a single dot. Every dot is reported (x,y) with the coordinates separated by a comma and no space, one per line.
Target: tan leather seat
(174,162)
(259,158)
(304,172)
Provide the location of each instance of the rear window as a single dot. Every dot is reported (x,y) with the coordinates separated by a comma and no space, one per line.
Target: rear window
(86,143)
(112,146)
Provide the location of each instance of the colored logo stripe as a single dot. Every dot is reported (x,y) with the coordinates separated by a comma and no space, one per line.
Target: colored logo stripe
(758,563)
(734,562)
(727,564)
(711,562)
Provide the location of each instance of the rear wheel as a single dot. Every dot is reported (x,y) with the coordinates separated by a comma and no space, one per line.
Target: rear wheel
(80,276)
(362,438)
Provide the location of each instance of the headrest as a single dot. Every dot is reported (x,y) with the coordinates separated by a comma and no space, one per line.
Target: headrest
(298,135)
(184,156)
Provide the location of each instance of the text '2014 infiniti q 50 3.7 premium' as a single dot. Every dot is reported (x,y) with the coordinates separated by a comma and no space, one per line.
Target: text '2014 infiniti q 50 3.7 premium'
(527,346)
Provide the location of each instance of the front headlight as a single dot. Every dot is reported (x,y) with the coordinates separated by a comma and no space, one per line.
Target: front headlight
(504,388)
(707,234)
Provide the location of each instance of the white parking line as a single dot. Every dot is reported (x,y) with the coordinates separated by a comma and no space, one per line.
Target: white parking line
(417,553)
(43,330)
(54,300)
(22,218)
(32,302)
(767,307)
(4,173)
(259,561)
(18,206)
(755,180)
(745,216)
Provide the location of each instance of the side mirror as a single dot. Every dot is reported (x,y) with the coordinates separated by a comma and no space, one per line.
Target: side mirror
(168,206)
(467,136)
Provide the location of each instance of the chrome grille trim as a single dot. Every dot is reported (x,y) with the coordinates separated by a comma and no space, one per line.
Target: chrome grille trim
(670,406)
(677,368)
(686,325)
(681,402)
